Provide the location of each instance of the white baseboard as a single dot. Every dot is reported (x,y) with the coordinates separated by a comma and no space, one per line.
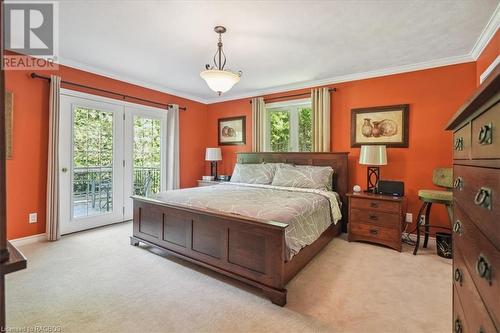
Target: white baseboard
(29,240)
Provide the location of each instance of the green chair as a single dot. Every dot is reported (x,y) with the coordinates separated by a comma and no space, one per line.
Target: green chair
(442,177)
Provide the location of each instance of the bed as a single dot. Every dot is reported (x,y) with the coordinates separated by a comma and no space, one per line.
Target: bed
(252,248)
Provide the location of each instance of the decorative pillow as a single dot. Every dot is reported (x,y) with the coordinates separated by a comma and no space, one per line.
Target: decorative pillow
(304,176)
(253,173)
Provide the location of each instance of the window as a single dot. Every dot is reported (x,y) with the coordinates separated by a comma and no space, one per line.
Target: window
(289,126)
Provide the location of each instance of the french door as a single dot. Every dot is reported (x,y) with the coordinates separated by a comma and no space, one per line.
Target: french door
(109,150)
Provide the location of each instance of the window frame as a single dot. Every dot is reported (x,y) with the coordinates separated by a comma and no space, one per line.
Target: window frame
(292,107)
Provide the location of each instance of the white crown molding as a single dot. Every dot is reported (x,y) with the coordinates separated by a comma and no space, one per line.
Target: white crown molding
(119,77)
(29,240)
(349,77)
(490,69)
(487,34)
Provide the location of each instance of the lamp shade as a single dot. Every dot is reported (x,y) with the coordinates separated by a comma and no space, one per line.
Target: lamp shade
(373,155)
(220,81)
(213,154)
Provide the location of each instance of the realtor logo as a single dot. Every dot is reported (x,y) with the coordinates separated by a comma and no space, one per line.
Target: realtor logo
(30,32)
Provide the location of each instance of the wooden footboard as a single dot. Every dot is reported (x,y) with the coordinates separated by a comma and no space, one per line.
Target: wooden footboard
(249,250)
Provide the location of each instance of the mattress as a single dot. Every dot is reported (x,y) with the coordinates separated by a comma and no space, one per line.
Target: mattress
(308,212)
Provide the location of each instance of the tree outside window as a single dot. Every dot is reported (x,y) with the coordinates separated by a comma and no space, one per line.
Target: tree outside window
(289,126)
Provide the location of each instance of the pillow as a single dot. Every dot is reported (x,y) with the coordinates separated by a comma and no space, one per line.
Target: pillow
(304,176)
(253,173)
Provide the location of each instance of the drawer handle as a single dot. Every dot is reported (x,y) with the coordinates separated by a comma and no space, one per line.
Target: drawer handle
(458,183)
(458,326)
(373,217)
(374,231)
(485,136)
(458,275)
(483,198)
(457,227)
(483,268)
(373,204)
(459,144)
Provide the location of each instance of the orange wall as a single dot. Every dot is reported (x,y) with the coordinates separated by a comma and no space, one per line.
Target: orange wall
(489,54)
(26,172)
(434,95)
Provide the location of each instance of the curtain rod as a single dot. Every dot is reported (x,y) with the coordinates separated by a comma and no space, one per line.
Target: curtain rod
(296,95)
(37,76)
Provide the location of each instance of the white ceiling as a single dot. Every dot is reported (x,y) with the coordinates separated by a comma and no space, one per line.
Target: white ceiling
(278,45)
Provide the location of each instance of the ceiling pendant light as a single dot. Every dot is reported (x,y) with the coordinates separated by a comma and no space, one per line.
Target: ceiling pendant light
(219,79)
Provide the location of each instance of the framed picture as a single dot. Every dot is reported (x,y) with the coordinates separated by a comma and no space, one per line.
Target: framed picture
(381,125)
(232,131)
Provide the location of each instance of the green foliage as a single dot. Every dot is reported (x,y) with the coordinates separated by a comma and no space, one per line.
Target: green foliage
(147,155)
(281,133)
(93,152)
(280,130)
(147,142)
(92,138)
(305,129)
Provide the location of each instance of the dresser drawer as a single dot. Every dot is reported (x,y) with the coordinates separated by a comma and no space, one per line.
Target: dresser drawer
(389,220)
(375,205)
(459,322)
(474,184)
(462,143)
(481,258)
(486,134)
(476,314)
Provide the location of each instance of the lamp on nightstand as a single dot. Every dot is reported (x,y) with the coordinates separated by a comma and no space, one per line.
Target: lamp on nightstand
(373,156)
(213,155)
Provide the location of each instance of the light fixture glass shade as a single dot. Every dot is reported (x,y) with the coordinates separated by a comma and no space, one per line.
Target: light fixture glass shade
(373,155)
(213,154)
(220,81)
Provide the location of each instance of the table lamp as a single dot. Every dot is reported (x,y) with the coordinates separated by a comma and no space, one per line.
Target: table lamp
(373,156)
(213,155)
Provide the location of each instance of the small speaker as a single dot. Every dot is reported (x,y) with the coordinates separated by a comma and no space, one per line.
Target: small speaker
(391,187)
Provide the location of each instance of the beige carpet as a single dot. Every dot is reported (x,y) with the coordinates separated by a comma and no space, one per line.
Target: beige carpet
(96,282)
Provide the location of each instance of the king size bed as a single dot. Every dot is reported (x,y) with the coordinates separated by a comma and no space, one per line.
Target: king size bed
(258,233)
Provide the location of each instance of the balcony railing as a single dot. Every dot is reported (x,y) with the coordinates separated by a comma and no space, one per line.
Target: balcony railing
(93,188)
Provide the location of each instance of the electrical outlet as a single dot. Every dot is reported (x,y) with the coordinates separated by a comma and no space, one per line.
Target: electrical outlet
(409,217)
(421,220)
(33,218)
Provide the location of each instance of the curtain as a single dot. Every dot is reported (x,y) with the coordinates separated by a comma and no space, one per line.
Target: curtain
(320,101)
(52,214)
(173,178)
(258,124)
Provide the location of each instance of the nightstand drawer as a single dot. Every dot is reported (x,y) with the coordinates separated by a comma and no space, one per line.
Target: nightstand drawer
(373,232)
(389,220)
(374,204)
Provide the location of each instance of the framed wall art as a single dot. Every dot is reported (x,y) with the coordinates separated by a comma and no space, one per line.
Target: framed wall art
(381,125)
(232,131)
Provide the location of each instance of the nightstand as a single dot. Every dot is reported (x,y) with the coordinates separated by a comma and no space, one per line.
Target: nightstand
(376,218)
(207,182)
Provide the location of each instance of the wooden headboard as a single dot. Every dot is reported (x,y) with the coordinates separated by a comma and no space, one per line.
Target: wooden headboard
(338,161)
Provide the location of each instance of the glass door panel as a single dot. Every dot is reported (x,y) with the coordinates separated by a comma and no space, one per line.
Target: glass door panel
(145,153)
(91,170)
(146,156)
(92,162)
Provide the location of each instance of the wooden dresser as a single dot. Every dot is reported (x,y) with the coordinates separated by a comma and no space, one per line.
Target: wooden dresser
(476,210)
(376,218)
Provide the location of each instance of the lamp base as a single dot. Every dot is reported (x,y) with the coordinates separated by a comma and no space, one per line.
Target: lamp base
(213,169)
(372,177)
